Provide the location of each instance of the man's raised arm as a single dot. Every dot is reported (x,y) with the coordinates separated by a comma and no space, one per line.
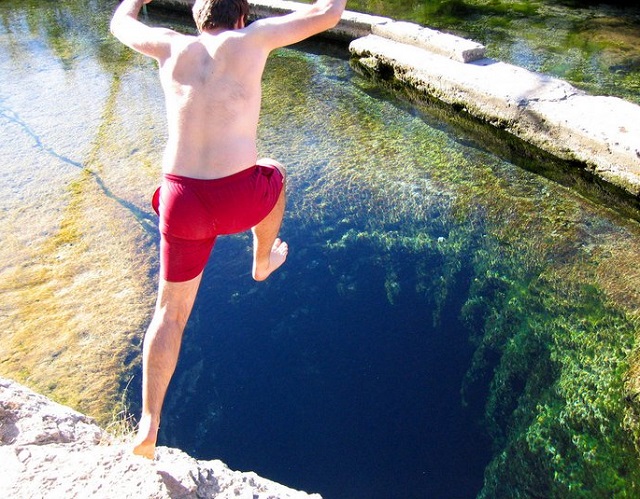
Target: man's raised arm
(125,26)
(310,20)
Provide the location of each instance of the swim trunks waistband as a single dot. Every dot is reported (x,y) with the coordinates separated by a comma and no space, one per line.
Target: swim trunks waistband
(220,180)
(155,201)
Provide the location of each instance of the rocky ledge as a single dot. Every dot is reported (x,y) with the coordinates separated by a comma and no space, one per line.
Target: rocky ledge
(49,450)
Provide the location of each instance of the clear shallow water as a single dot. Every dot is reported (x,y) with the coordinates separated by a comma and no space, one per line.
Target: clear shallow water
(436,295)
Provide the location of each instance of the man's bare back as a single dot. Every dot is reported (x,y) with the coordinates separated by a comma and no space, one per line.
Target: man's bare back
(211,82)
(212,95)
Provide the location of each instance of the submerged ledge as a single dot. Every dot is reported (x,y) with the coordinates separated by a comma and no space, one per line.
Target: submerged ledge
(599,134)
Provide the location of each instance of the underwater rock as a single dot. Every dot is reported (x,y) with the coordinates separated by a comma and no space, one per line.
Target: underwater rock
(49,450)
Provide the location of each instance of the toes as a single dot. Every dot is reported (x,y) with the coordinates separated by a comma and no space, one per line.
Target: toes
(282,249)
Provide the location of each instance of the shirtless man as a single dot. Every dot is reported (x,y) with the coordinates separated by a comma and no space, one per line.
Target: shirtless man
(213,182)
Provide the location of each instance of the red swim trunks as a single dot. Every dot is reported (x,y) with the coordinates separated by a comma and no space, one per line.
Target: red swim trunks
(193,212)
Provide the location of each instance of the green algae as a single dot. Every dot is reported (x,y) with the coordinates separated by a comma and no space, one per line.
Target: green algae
(557,405)
(74,296)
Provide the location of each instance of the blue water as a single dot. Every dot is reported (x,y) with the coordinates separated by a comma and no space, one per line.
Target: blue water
(341,393)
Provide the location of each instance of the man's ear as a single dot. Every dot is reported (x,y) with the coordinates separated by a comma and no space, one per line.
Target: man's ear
(239,24)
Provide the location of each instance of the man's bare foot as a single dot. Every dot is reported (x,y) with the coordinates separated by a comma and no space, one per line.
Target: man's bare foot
(279,252)
(145,449)
(145,442)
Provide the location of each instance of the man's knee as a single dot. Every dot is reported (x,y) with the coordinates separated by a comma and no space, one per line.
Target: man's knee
(169,320)
(175,301)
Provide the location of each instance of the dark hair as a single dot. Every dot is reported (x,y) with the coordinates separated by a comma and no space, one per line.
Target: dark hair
(209,14)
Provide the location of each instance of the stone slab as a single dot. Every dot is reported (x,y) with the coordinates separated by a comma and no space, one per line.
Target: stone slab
(492,90)
(603,132)
(352,25)
(445,44)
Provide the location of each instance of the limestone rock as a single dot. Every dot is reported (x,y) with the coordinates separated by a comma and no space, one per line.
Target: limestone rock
(48,450)
(444,44)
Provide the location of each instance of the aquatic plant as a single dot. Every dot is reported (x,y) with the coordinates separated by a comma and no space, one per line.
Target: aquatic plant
(74,297)
(556,407)
(557,403)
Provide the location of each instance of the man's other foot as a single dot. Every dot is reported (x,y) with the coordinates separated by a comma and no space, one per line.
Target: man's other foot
(145,449)
(279,252)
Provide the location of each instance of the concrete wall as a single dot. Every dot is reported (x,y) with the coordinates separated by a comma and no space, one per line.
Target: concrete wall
(600,133)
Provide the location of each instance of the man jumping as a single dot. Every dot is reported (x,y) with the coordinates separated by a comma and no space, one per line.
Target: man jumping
(213,182)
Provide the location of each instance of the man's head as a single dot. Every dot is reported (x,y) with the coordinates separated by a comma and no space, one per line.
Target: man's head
(211,14)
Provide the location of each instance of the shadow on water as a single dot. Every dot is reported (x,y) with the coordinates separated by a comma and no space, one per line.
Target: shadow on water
(13,117)
(146,220)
